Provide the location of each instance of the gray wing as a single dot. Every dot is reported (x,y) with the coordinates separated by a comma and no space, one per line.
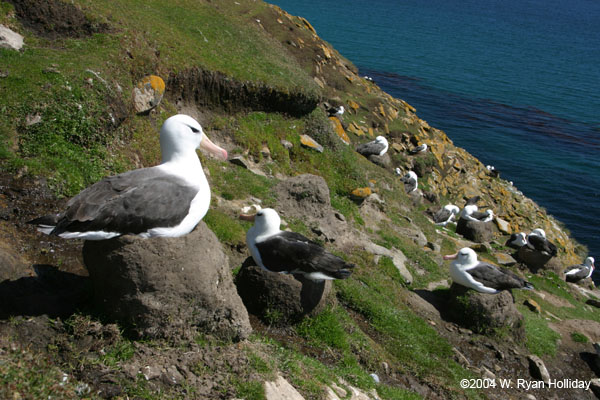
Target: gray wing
(442,215)
(132,202)
(579,275)
(499,279)
(479,215)
(542,245)
(370,148)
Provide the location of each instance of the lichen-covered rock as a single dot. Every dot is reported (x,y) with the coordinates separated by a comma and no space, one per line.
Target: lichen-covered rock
(310,143)
(148,93)
(280,298)
(485,313)
(383,161)
(167,287)
(339,130)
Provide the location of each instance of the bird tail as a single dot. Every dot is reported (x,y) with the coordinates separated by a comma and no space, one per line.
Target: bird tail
(45,224)
(345,272)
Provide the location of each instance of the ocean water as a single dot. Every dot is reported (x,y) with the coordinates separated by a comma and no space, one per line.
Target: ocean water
(514,82)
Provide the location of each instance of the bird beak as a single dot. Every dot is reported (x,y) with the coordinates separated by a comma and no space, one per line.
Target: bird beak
(212,148)
(247,217)
(451,256)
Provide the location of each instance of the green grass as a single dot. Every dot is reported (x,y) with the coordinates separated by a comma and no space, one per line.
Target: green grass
(229,230)
(579,337)
(541,340)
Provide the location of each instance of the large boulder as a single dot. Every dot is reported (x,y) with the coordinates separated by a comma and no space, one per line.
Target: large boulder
(167,287)
(476,231)
(485,313)
(279,298)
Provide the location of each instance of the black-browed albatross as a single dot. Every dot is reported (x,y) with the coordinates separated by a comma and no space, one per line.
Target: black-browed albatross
(377,147)
(167,200)
(467,271)
(289,252)
(575,273)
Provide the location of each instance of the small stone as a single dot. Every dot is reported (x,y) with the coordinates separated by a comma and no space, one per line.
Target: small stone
(503,226)
(172,376)
(342,393)
(148,93)
(487,373)
(340,216)
(533,306)
(339,130)
(310,143)
(287,144)
(460,358)
(151,372)
(537,368)
(240,161)
(361,193)
(10,39)
(265,152)
(33,119)
(592,302)
(375,377)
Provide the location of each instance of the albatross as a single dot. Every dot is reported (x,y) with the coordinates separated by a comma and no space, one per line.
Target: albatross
(167,200)
(575,273)
(445,215)
(471,213)
(467,271)
(289,252)
(410,181)
(377,147)
(536,240)
(517,240)
(419,149)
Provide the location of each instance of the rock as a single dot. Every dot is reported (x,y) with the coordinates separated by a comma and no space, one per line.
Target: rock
(503,226)
(505,259)
(280,389)
(375,377)
(383,161)
(537,369)
(475,231)
(533,306)
(532,258)
(10,39)
(287,144)
(310,143)
(33,119)
(341,392)
(265,152)
(460,358)
(246,164)
(148,93)
(339,130)
(279,298)
(593,303)
(484,313)
(361,193)
(595,386)
(398,258)
(487,374)
(167,287)
(11,265)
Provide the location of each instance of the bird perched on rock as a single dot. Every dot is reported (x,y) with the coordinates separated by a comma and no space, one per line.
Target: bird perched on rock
(411,181)
(419,149)
(471,213)
(335,111)
(537,241)
(483,277)
(289,252)
(517,240)
(166,200)
(493,171)
(445,215)
(377,147)
(576,273)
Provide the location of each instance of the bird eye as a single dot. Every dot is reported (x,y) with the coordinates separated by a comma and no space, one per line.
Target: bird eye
(194,129)
(260,213)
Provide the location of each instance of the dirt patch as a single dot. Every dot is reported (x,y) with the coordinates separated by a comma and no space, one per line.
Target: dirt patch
(554,300)
(54,19)
(591,329)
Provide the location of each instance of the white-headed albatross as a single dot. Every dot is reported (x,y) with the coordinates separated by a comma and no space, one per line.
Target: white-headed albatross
(377,147)
(167,200)
(575,273)
(411,181)
(517,240)
(467,271)
(445,215)
(289,252)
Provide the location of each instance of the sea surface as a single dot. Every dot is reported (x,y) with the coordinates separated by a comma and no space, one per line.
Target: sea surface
(514,82)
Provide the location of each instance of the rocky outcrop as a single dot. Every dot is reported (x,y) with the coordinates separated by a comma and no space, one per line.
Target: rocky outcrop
(167,287)
(279,298)
(484,313)
(10,39)
(212,89)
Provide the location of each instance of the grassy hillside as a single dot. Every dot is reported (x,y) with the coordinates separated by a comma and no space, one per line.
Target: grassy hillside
(74,80)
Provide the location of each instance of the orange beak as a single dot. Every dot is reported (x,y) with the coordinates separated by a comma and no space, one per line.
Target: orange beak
(247,217)
(451,256)
(212,148)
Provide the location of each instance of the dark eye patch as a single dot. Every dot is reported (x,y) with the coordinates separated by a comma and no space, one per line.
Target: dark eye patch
(260,213)
(194,129)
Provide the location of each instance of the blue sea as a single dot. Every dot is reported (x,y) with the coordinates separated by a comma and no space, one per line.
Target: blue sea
(514,82)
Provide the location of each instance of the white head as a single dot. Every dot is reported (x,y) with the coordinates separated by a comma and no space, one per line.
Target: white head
(521,239)
(398,171)
(181,135)
(538,232)
(266,221)
(340,110)
(589,262)
(464,258)
(382,140)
